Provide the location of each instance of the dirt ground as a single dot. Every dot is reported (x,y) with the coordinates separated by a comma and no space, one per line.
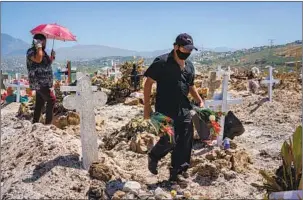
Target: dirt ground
(43,161)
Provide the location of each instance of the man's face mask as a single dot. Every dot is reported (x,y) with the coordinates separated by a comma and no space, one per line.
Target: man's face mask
(182,55)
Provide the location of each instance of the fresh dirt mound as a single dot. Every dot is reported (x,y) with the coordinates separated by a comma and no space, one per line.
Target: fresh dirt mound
(139,132)
(258,111)
(40,162)
(238,84)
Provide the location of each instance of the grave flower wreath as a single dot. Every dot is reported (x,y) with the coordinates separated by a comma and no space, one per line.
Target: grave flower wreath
(211,118)
(163,125)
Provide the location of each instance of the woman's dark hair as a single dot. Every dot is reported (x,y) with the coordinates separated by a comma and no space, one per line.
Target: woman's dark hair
(39,37)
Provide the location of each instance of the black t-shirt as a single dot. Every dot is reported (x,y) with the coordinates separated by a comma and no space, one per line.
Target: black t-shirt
(172,85)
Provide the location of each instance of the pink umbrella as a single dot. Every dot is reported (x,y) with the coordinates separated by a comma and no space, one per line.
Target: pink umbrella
(55,32)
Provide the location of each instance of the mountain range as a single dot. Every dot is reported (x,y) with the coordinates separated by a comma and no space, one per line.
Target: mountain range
(11,47)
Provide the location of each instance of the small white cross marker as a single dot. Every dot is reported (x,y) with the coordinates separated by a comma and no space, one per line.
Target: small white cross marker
(270,81)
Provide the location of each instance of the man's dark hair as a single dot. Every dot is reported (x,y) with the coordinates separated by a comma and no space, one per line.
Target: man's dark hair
(39,37)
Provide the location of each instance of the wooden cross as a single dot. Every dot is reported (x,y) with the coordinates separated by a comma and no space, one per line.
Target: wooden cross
(1,82)
(223,101)
(270,81)
(213,84)
(84,102)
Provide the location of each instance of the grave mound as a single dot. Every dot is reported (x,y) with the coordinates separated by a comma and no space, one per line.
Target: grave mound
(227,162)
(138,133)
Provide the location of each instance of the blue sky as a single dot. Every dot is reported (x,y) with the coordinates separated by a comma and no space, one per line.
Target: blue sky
(154,25)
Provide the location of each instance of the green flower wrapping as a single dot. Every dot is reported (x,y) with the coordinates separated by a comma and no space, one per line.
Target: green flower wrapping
(163,125)
(211,118)
(205,113)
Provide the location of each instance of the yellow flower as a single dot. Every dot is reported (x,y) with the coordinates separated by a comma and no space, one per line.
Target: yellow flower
(173,193)
(134,125)
(212,118)
(187,194)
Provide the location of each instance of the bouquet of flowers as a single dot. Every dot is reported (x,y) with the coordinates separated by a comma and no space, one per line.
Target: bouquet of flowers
(163,125)
(211,118)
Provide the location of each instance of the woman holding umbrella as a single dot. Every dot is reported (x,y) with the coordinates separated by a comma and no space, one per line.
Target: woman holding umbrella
(39,68)
(40,77)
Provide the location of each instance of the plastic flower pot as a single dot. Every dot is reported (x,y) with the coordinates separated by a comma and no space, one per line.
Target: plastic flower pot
(294,195)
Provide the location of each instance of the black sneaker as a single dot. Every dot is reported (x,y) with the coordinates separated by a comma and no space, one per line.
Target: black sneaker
(173,175)
(152,166)
(175,180)
(185,174)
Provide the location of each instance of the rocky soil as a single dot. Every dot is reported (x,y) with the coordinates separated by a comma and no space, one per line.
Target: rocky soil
(39,161)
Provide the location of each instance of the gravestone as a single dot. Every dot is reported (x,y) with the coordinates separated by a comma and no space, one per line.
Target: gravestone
(84,101)
(270,81)
(222,101)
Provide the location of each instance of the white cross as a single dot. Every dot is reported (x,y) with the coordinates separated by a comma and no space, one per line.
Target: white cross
(84,102)
(74,88)
(19,85)
(270,81)
(222,100)
(115,73)
(219,72)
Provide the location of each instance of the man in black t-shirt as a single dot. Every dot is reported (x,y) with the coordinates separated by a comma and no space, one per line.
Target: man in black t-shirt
(174,76)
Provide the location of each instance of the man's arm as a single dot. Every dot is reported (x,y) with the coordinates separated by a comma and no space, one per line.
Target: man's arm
(147,93)
(152,76)
(194,93)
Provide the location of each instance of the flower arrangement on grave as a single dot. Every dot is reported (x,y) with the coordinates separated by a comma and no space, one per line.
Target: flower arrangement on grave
(211,118)
(29,92)
(10,91)
(163,125)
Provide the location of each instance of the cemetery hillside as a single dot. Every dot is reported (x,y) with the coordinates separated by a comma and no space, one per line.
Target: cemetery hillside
(247,138)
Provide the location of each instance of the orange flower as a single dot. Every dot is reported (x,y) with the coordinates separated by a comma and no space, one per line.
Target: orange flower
(216,126)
